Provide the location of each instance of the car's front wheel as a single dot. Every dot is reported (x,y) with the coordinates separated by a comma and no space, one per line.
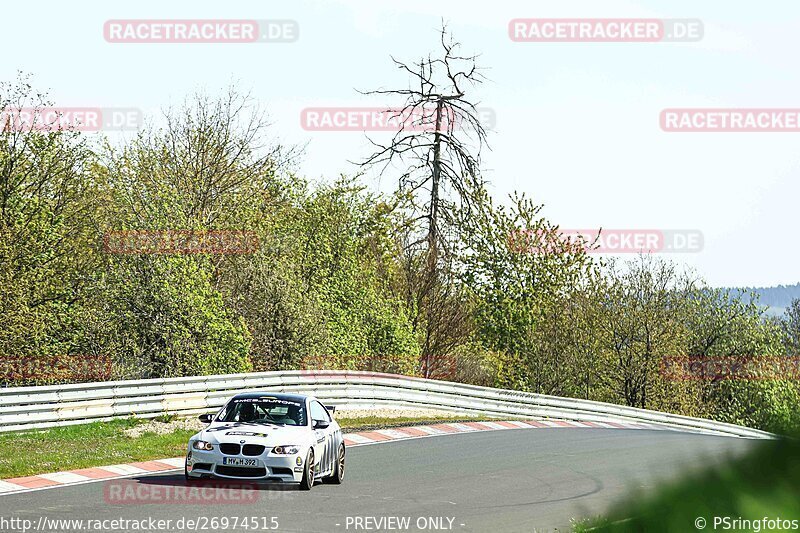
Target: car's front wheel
(338,470)
(308,472)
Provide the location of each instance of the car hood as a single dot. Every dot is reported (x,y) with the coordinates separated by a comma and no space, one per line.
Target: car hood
(266,434)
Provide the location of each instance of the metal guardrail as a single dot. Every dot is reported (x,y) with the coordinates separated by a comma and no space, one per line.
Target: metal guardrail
(42,407)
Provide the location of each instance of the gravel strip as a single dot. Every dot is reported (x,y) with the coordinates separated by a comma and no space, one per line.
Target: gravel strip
(344,412)
(162,428)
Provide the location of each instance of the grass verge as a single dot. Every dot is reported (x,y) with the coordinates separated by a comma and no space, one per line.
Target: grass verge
(763,483)
(105,443)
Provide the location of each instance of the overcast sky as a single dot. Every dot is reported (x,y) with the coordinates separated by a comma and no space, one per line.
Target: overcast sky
(577,123)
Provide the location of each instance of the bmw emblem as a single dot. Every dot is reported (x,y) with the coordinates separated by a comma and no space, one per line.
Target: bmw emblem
(241,442)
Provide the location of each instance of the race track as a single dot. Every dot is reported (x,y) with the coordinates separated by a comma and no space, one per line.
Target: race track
(523,480)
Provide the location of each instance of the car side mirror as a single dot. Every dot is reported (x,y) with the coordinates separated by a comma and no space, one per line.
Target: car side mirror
(321,424)
(206,418)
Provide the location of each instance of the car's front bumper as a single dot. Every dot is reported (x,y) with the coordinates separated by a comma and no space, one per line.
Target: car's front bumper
(285,468)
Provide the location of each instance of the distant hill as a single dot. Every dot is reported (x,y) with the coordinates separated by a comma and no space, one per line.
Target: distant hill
(775,299)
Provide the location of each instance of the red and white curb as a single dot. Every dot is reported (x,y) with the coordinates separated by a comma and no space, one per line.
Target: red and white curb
(361,438)
(88,475)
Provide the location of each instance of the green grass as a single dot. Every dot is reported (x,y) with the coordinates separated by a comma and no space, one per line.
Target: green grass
(763,483)
(105,443)
(85,445)
(375,422)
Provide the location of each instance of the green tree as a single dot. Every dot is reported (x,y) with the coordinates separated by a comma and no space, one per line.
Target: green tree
(47,200)
(791,328)
(521,273)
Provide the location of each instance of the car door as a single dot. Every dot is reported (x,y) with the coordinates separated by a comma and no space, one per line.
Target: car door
(324,448)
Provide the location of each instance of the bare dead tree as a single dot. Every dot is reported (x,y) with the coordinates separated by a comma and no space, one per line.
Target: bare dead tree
(437,150)
(439,142)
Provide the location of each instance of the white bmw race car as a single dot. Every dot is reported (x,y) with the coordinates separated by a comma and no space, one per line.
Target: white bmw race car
(276,437)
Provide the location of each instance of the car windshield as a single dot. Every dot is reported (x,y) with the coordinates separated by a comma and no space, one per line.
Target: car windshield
(265,410)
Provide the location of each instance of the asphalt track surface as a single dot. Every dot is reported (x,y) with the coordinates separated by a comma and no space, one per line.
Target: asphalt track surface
(493,481)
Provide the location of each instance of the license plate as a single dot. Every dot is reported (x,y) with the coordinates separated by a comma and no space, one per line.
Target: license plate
(236,461)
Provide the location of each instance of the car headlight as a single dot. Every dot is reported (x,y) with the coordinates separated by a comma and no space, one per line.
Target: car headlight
(202,445)
(286,449)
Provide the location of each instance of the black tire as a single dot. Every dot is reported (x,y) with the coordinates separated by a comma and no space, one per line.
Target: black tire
(308,472)
(338,470)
